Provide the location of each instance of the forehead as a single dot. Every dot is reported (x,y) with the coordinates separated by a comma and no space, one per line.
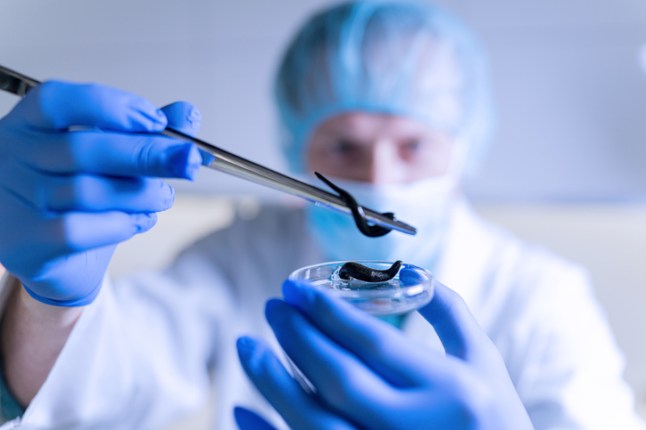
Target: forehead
(367,124)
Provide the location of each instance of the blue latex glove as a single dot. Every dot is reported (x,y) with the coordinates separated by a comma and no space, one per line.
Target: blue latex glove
(68,197)
(368,375)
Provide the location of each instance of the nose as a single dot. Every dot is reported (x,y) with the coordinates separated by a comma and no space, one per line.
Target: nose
(383,164)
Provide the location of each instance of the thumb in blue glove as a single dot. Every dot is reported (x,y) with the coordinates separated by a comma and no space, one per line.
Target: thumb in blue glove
(368,375)
(67,198)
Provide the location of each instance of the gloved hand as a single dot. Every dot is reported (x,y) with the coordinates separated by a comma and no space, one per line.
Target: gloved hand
(67,197)
(368,375)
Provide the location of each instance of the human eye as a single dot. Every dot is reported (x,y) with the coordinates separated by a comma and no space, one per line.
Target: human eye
(412,148)
(343,148)
(412,145)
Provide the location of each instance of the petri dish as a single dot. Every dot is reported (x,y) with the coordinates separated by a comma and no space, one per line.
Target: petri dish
(411,288)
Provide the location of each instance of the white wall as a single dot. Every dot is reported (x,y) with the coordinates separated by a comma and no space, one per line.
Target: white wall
(571,94)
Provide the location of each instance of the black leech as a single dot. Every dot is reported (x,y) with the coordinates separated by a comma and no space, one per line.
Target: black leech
(358,271)
(357,211)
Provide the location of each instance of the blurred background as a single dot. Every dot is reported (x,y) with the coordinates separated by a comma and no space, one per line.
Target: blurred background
(567,168)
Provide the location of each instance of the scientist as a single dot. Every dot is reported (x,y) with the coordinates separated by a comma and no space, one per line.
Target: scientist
(552,363)
(390,99)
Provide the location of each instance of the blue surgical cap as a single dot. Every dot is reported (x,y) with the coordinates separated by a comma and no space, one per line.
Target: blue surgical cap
(378,56)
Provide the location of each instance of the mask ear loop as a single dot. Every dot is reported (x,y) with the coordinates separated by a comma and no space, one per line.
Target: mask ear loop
(358,214)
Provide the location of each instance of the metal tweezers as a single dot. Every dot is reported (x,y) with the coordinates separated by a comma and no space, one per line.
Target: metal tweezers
(224,161)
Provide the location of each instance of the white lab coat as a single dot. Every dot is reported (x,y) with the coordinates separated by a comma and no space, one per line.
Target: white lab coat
(148,350)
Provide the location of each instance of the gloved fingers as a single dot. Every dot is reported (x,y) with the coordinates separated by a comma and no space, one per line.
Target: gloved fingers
(58,105)
(87,193)
(453,322)
(249,420)
(270,377)
(184,117)
(108,153)
(383,348)
(79,231)
(342,381)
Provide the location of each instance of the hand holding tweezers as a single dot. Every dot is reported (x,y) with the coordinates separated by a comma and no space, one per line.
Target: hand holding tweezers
(224,161)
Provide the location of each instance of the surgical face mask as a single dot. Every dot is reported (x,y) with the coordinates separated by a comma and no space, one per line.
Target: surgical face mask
(425,204)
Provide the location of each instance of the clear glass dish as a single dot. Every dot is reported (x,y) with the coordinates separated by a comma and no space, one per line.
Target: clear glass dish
(411,288)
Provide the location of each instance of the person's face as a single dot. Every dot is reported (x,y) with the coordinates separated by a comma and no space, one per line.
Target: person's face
(378,148)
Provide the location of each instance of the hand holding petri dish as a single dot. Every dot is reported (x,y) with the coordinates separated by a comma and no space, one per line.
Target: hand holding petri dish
(388,291)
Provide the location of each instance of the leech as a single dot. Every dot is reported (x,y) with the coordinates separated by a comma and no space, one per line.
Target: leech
(352,270)
(358,214)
